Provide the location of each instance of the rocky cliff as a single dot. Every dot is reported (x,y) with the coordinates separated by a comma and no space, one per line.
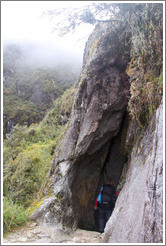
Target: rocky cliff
(83,159)
(102,140)
(138,215)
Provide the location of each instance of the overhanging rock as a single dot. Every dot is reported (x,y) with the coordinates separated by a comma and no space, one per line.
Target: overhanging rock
(96,119)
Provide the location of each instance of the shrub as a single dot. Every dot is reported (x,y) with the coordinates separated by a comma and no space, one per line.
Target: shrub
(24,174)
(146,65)
(13,215)
(28,152)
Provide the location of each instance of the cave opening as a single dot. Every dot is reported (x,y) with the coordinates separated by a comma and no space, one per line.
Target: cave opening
(91,171)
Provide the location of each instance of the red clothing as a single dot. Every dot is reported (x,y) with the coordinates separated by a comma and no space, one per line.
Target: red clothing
(96,202)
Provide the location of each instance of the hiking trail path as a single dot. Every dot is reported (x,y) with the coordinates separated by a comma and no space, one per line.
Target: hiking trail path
(33,233)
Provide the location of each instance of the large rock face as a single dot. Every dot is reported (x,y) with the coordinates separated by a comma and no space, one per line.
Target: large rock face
(138,215)
(96,145)
(82,161)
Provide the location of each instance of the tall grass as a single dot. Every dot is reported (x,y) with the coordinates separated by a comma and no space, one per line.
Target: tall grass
(13,215)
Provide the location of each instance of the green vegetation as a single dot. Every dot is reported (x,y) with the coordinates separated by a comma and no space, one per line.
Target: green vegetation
(28,151)
(13,215)
(26,172)
(37,121)
(29,89)
(146,65)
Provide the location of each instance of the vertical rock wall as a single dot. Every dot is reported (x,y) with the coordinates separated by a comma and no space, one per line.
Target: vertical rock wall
(96,120)
(138,214)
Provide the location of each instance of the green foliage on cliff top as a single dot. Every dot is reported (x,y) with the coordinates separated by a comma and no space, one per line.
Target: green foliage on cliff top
(146,66)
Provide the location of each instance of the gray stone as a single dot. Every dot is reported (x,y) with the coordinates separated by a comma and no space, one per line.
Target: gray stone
(138,214)
(43,209)
(95,147)
(79,160)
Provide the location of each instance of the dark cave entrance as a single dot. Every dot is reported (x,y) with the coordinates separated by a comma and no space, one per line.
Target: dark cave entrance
(112,168)
(90,173)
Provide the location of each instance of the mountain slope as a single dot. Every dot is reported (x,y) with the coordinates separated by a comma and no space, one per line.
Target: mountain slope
(30,86)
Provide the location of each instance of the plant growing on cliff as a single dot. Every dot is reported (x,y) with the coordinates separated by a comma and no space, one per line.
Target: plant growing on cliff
(144,23)
(145,68)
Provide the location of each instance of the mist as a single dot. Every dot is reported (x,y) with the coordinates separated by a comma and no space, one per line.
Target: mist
(23,25)
(49,55)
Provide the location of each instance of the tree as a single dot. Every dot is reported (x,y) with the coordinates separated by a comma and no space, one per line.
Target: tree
(130,14)
(67,19)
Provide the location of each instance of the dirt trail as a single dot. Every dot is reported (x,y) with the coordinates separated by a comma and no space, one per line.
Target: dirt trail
(33,233)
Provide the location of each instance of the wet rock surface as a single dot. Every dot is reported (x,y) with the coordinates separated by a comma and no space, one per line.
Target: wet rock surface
(34,233)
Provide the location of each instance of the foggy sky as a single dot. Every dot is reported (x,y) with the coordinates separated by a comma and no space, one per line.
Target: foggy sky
(22,22)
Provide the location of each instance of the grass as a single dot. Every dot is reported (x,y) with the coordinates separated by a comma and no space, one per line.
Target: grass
(13,215)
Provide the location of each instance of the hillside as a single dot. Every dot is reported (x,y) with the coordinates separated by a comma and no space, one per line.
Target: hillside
(37,101)
(28,151)
(31,85)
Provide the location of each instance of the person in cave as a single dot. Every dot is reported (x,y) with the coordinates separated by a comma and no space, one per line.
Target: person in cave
(104,204)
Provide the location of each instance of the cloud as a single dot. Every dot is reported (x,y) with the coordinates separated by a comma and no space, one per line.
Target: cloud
(22,21)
